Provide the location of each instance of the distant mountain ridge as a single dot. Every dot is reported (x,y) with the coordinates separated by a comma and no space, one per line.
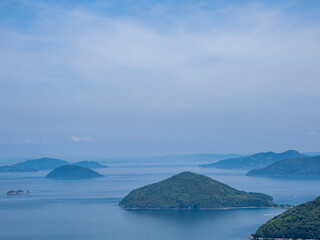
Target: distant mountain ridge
(46,164)
(89,164)
(293,167)
(17,169)
(189,190)
(194,157)
(201,157)
(258,160)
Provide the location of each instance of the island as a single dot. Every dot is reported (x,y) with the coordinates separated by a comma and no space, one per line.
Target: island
(258,160)
(41,164)
(17,169)
(297,167)
(189,190)
(90,164)
(18,192)
(300,222)
(73,172)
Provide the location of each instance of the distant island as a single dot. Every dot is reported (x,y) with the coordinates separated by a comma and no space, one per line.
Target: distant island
(16,169)
(18,192)
(41,164)
(73,172)
(46,164)
(297,167)
(201,157)
(89,164)
(258,160)
(175,158)
(300,222)
(189,190)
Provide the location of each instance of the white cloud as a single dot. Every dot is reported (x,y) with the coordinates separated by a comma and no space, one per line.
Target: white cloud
(312,133)
(81,139)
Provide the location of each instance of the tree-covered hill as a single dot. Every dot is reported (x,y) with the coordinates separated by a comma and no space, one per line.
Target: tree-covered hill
(308,167)
(300,222)
(41,164)
(188,190)
(73,172)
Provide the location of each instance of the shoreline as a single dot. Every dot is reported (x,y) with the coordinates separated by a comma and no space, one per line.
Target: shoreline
(282,238)
(225,208)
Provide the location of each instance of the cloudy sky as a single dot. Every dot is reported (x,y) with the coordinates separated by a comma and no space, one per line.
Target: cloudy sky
(125,78)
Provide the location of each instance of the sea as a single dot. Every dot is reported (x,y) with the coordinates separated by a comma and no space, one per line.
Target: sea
(89,210)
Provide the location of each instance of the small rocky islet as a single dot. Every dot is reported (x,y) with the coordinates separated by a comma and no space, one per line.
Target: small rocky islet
(17,192)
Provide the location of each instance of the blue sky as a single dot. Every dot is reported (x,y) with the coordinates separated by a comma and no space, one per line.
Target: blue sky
(103,79)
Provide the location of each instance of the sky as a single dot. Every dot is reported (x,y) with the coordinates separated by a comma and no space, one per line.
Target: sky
(105,79)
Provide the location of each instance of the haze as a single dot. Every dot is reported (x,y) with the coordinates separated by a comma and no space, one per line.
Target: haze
(103,79)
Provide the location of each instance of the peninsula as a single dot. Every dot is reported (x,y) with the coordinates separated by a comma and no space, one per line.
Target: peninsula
(297,167)
(300,222)
(258,160)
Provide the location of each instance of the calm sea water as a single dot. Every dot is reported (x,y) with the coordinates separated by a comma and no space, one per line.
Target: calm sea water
(88,209)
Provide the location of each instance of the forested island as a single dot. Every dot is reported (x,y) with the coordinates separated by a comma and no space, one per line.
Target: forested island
(297,167)
(34,165)
(41,163)
(73,172)
(46,164)
(258,160)
(300,222)
(188,190)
